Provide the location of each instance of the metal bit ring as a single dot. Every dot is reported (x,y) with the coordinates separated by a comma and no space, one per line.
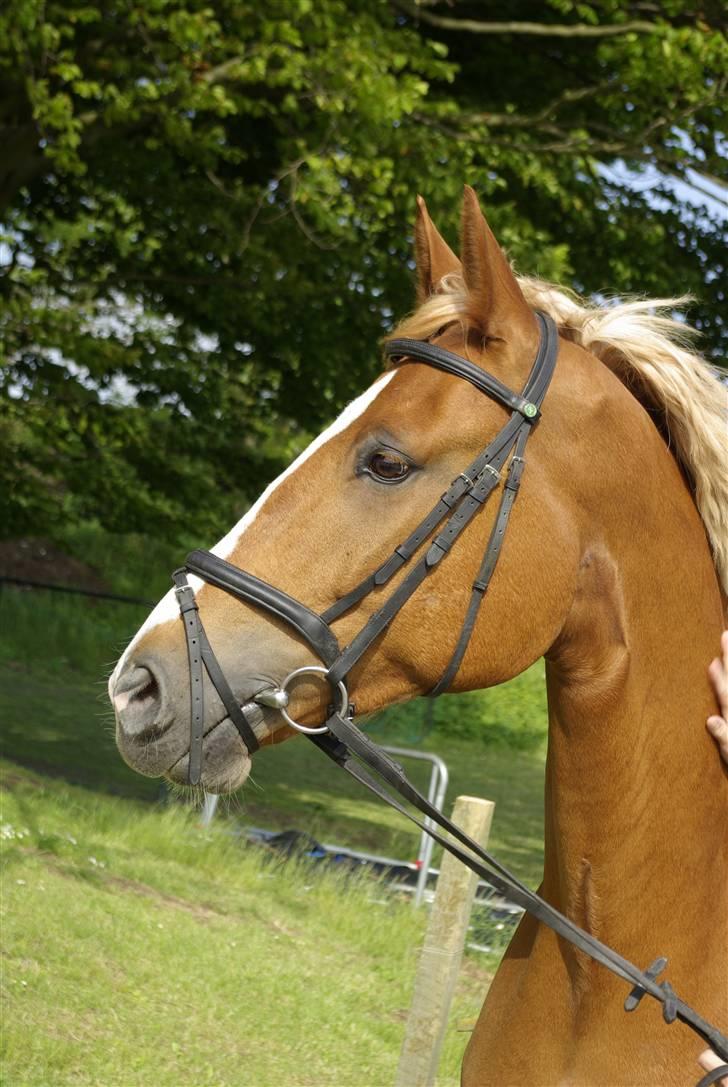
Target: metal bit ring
(313,668)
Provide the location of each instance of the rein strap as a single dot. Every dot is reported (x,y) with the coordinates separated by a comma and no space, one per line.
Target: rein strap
(348,742)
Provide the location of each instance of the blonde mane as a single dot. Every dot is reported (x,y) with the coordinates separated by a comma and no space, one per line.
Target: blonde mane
(650,352)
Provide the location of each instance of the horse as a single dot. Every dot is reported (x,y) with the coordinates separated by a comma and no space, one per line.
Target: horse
(614,569)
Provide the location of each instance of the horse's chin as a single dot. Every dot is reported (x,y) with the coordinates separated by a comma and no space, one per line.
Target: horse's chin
(225,761)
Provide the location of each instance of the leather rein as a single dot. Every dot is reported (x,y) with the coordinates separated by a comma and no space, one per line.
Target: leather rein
(339,738)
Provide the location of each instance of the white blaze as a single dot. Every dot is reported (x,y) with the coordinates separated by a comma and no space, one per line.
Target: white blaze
(167,608)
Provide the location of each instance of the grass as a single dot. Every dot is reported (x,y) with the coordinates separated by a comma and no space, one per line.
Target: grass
(66,634)
(292,784)
(138,948)
(131,564)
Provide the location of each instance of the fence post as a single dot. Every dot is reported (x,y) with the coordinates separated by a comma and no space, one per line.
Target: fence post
(442,951)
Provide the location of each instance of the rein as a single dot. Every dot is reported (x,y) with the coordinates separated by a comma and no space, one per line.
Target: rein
(339,738)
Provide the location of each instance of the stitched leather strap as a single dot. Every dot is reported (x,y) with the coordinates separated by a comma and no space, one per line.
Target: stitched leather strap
(199,654)
(536,387)
(474,492)
(234,710)
(448,501)
(381,619)
(533,392)
(252,590)
(487,567)
(191,619)
(404,350)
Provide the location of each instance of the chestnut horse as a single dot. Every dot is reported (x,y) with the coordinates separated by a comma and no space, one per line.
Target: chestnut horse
(606,570)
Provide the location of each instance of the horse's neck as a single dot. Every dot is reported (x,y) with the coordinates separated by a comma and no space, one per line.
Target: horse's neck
(636,796)
(636,852)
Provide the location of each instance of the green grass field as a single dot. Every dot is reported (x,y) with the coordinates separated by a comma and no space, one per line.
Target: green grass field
(140,949)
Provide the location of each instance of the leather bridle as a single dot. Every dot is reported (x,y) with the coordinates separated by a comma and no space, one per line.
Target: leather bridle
(339,738)
(456,508)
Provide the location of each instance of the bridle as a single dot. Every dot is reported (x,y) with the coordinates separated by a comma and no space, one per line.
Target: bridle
(456,508)
(339,738)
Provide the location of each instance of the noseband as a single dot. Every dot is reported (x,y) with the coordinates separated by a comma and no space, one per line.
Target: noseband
(339,738)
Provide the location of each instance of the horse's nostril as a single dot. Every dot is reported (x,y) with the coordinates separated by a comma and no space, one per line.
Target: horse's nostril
(149,692)
(135,686)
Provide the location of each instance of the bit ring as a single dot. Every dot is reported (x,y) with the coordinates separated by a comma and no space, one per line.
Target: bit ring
(317,669)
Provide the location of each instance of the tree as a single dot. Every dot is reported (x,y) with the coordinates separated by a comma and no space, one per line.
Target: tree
(206,211)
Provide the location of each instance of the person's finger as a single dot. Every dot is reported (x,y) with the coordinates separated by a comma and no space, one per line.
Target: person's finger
(708,1060)
(718,729)
(719,678)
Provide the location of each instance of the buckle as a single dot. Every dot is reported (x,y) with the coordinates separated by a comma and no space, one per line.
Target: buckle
(184,592)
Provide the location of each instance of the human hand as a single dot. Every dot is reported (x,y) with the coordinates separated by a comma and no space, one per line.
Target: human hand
(718,672)
(718,727)
(709,1061)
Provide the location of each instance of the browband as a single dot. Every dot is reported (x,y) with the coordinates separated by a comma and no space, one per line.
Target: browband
(405,350)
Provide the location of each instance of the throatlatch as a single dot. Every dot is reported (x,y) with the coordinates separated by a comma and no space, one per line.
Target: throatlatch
(339,738)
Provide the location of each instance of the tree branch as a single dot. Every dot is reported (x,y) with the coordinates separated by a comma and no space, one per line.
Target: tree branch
(226,70)
(544,30)
(668,168)
(529,120)
(300,222)
(585,144)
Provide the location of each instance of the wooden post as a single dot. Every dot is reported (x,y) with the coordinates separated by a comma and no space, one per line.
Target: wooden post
(442,951)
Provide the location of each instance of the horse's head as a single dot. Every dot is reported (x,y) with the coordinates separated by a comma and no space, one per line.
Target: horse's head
(354,494)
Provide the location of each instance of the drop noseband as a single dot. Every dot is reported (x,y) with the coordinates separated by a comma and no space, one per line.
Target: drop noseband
(339,738)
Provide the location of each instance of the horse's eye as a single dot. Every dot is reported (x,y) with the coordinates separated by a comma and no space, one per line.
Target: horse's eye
(388,467)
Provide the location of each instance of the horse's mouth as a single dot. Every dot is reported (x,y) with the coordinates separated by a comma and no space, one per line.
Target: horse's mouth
(225,760)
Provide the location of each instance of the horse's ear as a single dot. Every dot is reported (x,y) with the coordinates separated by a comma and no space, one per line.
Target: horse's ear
(433,255)
(497,306)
